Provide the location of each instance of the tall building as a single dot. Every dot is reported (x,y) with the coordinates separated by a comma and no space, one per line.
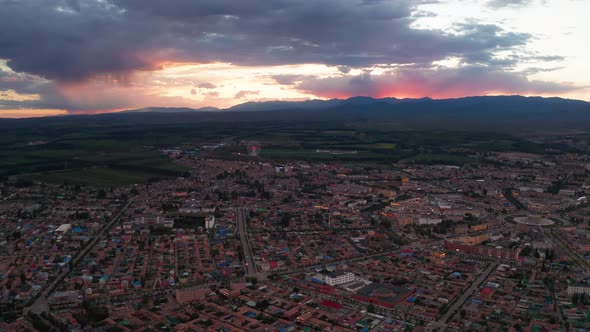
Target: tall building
(339,278)
(254,149)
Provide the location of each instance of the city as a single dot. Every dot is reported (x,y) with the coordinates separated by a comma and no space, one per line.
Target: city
(252,244)
(294,165)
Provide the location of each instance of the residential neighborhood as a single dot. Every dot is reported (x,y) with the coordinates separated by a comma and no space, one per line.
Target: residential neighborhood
(254,245)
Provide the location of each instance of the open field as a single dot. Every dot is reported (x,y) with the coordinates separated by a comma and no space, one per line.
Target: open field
(102,176)
(78,150)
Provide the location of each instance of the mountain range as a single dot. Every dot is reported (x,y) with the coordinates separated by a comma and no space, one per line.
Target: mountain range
(480,104)
(486,113)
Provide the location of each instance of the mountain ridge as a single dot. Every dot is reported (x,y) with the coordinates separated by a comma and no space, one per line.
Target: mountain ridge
(319,104)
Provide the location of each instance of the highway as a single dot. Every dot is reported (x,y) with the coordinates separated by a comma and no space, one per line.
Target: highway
(241,220)
(40,304)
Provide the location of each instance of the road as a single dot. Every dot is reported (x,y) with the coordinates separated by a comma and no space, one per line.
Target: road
(241,221)
(565,247)
(40,304)
(506,192)
(458,304)
(311,268)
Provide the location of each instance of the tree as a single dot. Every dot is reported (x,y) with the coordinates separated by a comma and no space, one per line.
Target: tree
(262,305)
(102,193)
(371,308)
(97,313)
(386,224)
(286,219)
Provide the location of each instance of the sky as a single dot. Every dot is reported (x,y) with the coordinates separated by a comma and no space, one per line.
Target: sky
(94,56)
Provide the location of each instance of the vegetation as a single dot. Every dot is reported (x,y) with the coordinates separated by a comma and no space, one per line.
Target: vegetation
(115,150)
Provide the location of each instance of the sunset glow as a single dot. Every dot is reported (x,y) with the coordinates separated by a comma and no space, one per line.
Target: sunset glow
(443,49)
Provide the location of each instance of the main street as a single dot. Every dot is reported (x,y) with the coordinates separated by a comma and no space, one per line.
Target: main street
(241,221)
(40,303)
(565,248)
(458,304)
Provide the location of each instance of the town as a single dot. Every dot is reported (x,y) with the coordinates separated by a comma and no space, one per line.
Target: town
(251,244)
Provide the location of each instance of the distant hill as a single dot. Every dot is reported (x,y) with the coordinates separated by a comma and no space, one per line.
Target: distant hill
(171,110)
(364,104)
(314,104)
(508,113)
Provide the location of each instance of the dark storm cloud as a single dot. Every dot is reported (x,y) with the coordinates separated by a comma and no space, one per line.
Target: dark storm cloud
(71,40)
(355,33)
(190,9)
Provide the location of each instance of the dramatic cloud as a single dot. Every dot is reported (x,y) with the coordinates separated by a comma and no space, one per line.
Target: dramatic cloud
(74,40)
(71,40)
(53,53)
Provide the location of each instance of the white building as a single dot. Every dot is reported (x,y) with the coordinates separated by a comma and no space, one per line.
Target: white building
(429,221)
(577,288)
(339,278)
(209,221)
(63,229)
